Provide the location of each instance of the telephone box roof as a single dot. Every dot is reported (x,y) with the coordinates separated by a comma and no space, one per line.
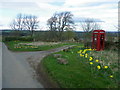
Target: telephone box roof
(99,31)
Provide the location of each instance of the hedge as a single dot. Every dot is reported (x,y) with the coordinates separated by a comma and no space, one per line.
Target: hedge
(18,38)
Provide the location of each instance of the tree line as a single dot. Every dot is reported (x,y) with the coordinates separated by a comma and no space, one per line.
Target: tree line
(61,25)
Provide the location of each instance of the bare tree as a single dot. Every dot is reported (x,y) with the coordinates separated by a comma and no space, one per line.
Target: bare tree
(88,25)
(52,24)
(58,23)
(17,23)
(64,19)
(13,25)
(31,23)
(25,22)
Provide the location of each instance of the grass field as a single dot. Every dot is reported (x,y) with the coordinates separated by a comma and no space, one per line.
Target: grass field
(17,46)
(78,73)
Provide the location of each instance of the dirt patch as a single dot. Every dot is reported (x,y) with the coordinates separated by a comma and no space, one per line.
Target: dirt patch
(40,73)
(35,60)
(40,43)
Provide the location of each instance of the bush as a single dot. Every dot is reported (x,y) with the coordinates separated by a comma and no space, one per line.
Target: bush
(26,39)
(111,45)
(88,44)
(18,38)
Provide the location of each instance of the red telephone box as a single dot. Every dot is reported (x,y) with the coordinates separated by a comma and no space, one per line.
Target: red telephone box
(98,39)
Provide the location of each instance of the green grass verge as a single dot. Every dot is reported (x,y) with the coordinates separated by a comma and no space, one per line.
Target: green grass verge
(12,46)
(77,73)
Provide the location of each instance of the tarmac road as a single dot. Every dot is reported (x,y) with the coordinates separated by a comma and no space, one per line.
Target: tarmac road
(16,71)
(0,65)
(16,68)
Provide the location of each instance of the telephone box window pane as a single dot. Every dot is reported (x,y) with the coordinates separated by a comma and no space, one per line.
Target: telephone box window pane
(95,32)
(101,32)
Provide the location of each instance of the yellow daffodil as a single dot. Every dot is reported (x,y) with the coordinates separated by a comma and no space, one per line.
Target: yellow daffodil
(111,76)
(90,59)
(98,67)
(80,54)
(79,51)
(86,55)
(105,66)
(93,49)
(86,49)
(90,49)
(83,52)
(91,63)
(96,60)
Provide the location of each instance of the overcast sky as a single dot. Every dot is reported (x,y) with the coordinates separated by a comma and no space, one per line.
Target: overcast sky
(105,11)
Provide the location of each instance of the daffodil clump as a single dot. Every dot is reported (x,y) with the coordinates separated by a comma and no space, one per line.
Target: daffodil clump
(25,46)
(95,63)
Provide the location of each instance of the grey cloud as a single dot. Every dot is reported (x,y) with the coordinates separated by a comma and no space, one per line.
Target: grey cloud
(18,5)
(81,19)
